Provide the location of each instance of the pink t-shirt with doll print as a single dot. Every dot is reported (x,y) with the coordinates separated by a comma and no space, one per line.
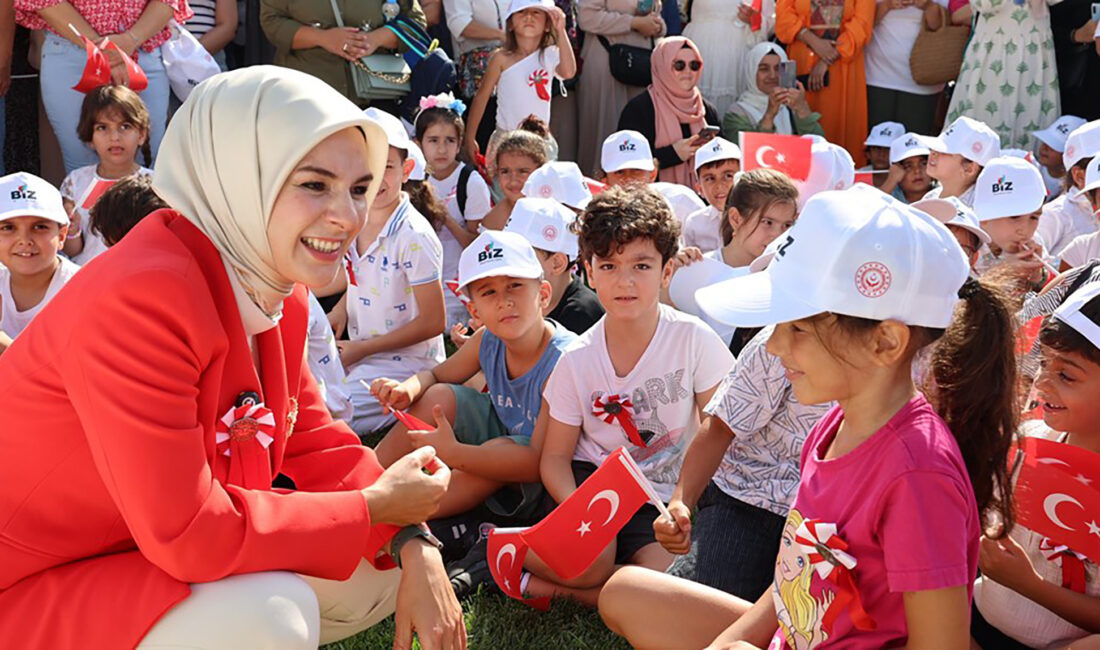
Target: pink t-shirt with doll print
(903,503)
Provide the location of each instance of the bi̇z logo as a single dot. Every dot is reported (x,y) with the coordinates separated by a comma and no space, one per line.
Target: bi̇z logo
(627,145)
(1002,185)
(22,193)
(490,253)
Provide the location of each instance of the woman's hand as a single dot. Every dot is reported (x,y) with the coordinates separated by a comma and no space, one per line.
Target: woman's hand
(404,494)
(775,101)
(817,75)
(391,394)
(745,13)
(426,604)
(674,535)
(825,49)
(471,147)
(346,42)
(795,99)
(686,148)
(125,42)
(649,25)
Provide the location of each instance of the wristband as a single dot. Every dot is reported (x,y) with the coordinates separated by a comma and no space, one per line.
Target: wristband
(407,534)
(76,235)
(133,38)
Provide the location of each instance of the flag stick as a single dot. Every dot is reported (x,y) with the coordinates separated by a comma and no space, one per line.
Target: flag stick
(636,472)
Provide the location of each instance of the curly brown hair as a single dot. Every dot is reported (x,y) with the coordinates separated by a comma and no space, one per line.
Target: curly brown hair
(619,215)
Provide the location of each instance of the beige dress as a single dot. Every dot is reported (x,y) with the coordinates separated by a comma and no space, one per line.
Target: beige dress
(600,97)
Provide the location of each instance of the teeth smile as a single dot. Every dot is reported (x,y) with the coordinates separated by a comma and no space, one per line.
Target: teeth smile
(321,245)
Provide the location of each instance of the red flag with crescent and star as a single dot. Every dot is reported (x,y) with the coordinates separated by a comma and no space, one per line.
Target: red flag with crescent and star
(790,154)
(1057,494)
(571,537)
(505,556)
(137,81)
(97,69)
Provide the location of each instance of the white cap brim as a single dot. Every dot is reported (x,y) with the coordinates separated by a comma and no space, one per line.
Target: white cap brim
(933,143)
(752,301)
(510,271)
(49,215)
(643,165)
(1049,139)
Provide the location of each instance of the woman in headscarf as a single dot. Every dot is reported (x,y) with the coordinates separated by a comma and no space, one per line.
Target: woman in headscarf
(766,106)
(826,39)
(172,476)
(672,111)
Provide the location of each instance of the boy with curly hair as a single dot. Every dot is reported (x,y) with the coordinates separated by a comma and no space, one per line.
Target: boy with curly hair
(646,365)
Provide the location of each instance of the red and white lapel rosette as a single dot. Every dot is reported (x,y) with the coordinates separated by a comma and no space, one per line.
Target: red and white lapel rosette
(610,408)
(243,434)
(1072,562)
(829,557)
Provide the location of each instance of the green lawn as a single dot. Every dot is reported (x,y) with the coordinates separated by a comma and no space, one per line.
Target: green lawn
(496,621)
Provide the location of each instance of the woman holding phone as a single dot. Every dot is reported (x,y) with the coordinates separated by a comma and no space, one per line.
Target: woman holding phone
(775,101)
(672,114)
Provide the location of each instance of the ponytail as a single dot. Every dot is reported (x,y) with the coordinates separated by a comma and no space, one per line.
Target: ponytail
(974,367)
(424,199)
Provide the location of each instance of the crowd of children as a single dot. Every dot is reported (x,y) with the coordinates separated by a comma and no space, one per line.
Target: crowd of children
(823,378)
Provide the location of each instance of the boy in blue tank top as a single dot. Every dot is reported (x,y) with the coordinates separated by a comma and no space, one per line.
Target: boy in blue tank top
(496,437)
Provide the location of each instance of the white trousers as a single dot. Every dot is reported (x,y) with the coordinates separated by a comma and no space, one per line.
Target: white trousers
(276,610)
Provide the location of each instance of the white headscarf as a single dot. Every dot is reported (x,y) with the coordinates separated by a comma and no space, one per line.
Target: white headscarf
(229,149)
(754,101)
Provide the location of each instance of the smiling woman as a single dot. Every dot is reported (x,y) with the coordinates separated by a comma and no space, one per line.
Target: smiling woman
(172,380)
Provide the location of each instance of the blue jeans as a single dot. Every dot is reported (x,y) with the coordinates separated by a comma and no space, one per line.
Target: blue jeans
(62,64)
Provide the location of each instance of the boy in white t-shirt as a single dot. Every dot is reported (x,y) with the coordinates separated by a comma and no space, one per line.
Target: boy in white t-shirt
(655,366)
(716,165)
(626,159)
(33,225)
(1086,247)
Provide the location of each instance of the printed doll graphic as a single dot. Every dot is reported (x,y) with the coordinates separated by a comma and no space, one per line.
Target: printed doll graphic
(801,614)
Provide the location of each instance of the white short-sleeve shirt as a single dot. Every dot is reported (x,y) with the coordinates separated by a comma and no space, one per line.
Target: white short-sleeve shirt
(683,358)
(1082,249)
(324,362)
(478,204)
(83,187)
(13,321)
(702,229)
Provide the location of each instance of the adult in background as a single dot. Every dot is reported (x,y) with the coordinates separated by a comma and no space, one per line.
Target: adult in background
(307,38)
(172,477)
(892,95)
(826,39)
(724,38)
(672,111)
(601,97)
(137,27)
(1009,78)
(767,107)
(1078,64)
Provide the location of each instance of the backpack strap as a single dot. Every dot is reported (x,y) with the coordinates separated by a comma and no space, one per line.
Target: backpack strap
(461,191)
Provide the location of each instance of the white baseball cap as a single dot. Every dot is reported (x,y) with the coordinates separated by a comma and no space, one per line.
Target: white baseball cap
(420,165)
(715,150)
(396,134)
(831,168)
(906,146)
(884,260)
(1023,154)
(26,195)
(626,150)
(545,224)
(765,258)
(1008,187)
(1083,142)
(968,138)
(883,135)
(559,180)
(953,212)
(1092,175)
(497,252)
(520,5)
(1055,135)
(1069,312)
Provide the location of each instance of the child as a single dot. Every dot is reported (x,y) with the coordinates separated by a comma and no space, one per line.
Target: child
(716,166)
(877,150)
(831,168)
(1052,144)
(32,230)
(957,156)
(908,180)
(394,300)
(324,363)
(115,123)
(1086,247)
(561,181)
(667,364)
(521,72)
(626,159)
(121,207)
(439,128)
(962,223)
(421,195)
(1008,201)
(880,547)
(1071,215)
(518,154)
(546,224)
(1021,599)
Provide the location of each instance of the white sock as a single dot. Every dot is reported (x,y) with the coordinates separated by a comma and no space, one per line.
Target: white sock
(524,578)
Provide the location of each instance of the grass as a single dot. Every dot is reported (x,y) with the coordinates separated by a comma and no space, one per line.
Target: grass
(495,621)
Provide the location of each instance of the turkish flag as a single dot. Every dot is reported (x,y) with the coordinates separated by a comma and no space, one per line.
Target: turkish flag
(1056,494)
(867,178)
(97,70)
(594,186)
(757,15)
(570,539)
(790,154)
(453,286)
(506,553)
(411,422)
(138,81)
(95,190)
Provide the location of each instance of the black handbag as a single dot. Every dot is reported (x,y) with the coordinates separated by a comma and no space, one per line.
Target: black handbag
(629,63)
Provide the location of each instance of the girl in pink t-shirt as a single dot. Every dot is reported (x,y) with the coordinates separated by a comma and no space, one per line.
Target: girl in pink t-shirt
(880,548)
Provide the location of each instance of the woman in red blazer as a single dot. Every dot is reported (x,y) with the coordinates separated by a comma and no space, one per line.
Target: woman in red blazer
(148,411)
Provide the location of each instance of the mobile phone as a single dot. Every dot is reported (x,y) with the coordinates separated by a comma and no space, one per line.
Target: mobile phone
(1096,11)
(787,74)
(706,134)
(804,79)
(645,7)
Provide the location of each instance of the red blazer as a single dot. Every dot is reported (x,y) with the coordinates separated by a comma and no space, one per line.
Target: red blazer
(113,496)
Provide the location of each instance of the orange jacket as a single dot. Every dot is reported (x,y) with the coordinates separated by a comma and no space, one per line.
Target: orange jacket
(114,495)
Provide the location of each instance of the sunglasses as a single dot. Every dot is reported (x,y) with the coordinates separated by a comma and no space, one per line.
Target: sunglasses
(679,66)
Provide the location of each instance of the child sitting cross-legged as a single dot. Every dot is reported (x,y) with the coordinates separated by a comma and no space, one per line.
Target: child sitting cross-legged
(659,364)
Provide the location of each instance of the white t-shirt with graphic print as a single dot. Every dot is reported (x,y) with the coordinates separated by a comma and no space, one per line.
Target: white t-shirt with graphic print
(684,357)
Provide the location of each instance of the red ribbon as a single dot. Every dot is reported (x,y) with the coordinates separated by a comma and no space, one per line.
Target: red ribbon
(829,557)
(243,434)
(621,409)
(1073,563)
